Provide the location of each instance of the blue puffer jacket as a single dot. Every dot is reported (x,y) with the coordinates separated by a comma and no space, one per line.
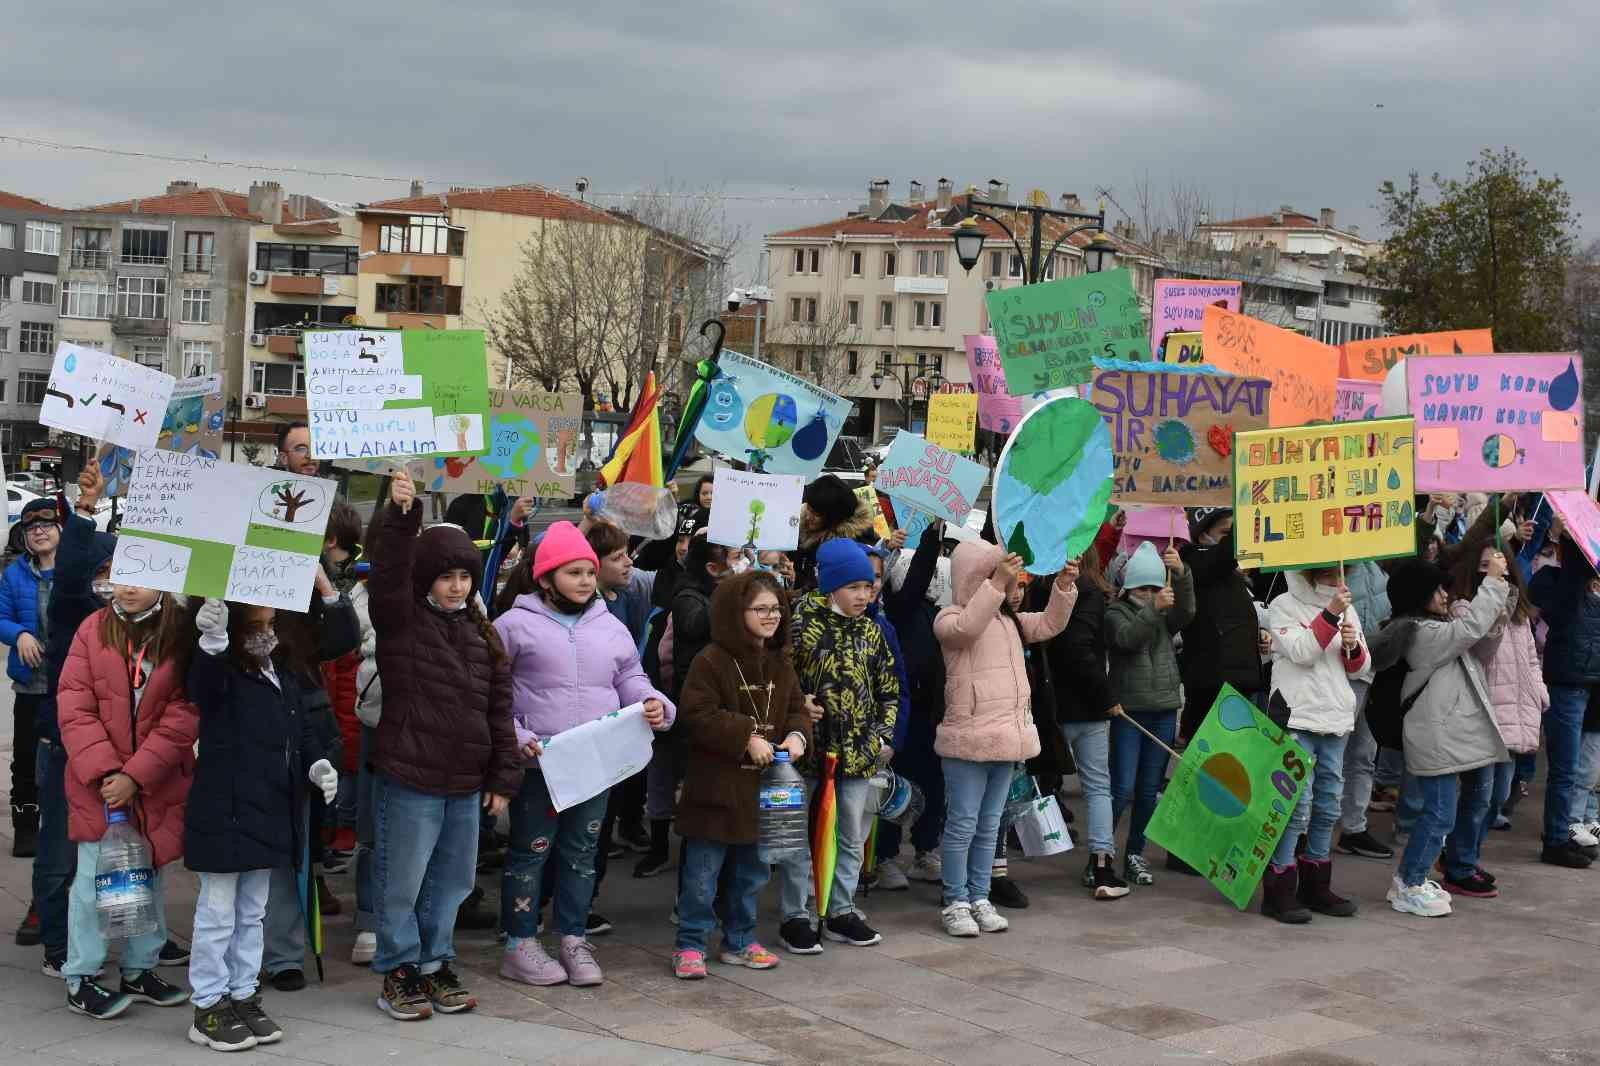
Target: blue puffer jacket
(19,613)
(1572,650)
(1369,595)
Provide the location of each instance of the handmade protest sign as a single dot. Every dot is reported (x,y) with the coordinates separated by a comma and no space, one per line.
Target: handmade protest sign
(998,410)
(760,511)
(1179,306)
(1049,335)
(383,393)
(1231,795)
(1581,515)
(1172,431)
(1371,359)
(868,497)
(587,759)
(1161,526)
(1355,399)
(953,420)
(1052,484)
(929,478)
(105,397)
(1321,495)
(204,527)
(772,420)
(1303,373)
(192,423)
(1497,422)
(533,446)
(1184,349)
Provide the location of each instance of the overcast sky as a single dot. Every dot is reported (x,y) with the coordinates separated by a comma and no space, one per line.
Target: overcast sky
(1261,103)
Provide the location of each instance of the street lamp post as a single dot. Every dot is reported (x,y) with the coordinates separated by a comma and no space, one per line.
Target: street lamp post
(886,368)
(969,236)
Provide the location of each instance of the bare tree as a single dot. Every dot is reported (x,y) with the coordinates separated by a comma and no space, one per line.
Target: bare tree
(821,338)
(1583,312)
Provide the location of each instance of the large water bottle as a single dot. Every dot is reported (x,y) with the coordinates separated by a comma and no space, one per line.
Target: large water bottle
(124,880)
(782,829)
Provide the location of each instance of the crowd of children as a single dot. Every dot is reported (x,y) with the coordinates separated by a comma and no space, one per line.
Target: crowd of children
(393,723)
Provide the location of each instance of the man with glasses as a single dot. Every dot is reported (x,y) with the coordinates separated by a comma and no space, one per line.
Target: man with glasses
(294,450)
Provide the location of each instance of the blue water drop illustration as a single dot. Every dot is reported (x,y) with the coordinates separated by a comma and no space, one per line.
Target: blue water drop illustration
(723,406)
(1394,478)
(1235,713)
(1202,745)
(812,438)
(1564,389)
(70,364)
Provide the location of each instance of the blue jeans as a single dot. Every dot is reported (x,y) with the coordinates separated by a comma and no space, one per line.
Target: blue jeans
(1409,809)
(1360,764)
(1321,799)
(1563,736)
(423,869)
(1503,773)
(86,948)
(701,909)
(1091,750)
(1587,807)
(1474,791)
(228,915)
(1437,818)
(536,828)
(366,910)
(57,859)
(974,796)
(284,927)
(1137,767)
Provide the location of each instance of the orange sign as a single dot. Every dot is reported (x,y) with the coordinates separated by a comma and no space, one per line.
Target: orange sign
(1303,372)
(1371,359)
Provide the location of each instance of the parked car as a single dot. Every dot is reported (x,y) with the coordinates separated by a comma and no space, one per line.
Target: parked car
(845,460)
(25,479)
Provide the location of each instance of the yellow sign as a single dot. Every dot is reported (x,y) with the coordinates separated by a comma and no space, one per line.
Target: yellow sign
(953,420)
(880,525)
(1320,495)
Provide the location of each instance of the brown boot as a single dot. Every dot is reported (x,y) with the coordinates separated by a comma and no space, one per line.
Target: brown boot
(1278,897)
(1316,892)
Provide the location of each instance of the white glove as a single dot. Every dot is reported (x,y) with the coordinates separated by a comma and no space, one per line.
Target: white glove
(212,618)
(324,776)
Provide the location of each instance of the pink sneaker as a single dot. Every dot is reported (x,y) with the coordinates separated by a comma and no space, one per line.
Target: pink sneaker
(528,963)
(689,965)
(578,960)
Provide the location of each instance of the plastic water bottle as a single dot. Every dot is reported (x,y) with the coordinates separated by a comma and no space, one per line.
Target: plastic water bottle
(902,802)
(1022,792)
(782,830)
(124,896)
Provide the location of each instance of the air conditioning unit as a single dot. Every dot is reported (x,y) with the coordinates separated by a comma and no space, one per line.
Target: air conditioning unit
(255,400)
(258,340)
(258,277)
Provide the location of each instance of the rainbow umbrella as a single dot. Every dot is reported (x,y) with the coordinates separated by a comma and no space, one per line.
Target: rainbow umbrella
(825,831)
(705,371)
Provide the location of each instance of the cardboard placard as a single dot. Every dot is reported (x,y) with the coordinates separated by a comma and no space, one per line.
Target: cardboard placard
(1179,305)
(998,410)
(1182,349)
(1355,399)
(760,511)
(1052,484)
(1304,373)
(774,421)
(1371,359)
(192,424)
(534,438)
(1581,515)
(105,397)
(953,420)
(1049,334)
(929,478)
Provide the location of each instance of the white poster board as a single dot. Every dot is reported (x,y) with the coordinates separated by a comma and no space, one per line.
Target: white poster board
(586,760)
(105,397)
(755,510)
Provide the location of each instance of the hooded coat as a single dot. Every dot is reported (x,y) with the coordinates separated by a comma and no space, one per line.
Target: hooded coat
(1572,611)
(1517,692)
(909,599)
(1144,665)
(1077,656)
(1219,643)
(1311,673)
(735,689)
(988,701)
(82,552)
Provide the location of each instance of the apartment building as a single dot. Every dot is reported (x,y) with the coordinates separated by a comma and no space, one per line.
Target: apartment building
(30,245)
(1291,232)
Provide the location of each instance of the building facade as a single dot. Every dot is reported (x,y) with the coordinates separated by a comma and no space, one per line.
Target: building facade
(30,247)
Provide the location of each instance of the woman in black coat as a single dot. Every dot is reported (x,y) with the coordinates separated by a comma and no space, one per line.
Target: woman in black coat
(1222,645)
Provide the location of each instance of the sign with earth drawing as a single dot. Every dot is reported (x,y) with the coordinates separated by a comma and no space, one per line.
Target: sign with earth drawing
(1052,484)
(1048,335)
(533,449)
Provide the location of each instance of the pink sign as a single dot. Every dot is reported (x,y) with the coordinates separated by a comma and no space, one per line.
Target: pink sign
(1159,525)
(1180,305)
(1497,423)
(1581,515)
(998,410)
(1355,400)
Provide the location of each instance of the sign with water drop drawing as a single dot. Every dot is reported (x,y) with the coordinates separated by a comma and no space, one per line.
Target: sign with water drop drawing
(770,419)
(105,397)
(1319,495)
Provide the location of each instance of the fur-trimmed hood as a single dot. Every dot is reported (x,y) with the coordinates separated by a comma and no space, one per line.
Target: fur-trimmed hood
(814,527)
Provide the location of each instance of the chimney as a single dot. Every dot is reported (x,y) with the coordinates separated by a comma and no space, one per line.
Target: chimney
(416,187)
(877,196)
(915,195)
(945,188)
(999,190)
(176,187)
(266,201)
(1070,202)
(1325,216)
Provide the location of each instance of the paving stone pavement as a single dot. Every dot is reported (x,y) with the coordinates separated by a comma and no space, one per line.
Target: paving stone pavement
(1171,974)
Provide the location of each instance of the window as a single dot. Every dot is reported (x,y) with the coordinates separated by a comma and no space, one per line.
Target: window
(38,338)
(31,385)
(91,248)
(144,247)
(151,354)
(85,299)
(38,292)
(996,264)
(196,306)
(199,357)
(855,264)
(142,297)
(199,252)
(886,312)
(852,363)
(5,287)
(888,264)
(5,338)
(44,238)
(930,264)
(919,316)
(3,384)
(922,362)
(8,235)
(794,309)
(799,261)
(278,379)
(799,360)
(811,309)
(420,296)
(422,235)
(1016,266)
(936,314)
(852,311)
(307,258)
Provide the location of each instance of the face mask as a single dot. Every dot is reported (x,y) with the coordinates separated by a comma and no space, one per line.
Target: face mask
(260,645)
(442,607)
(154,608)
(103,589)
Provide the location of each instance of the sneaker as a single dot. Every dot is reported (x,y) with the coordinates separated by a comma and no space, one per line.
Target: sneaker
(1501,823)
(146,987)
(403,997)
(958,919)
(263,1028)
(1137,871)
(798,936)
(656,862)
(1365,845)
(474,914)
(851,929)
(366,946)
(577,958)
(28,933)
(528,963)
(1005,892)
(1473,886)
(1581,835)
(1487,876)
(1426,900)
(1383,800)
(173,954)
(927,866)
(891,878)
(754,957)
(1568,854)
(689,965)
(1103,879)
(53,964)
(94,1000)
(220,1028)
(288,980)
(989,920)
(446,992)
(597,924)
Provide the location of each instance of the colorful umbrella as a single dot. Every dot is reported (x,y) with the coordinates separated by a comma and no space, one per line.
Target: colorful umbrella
(825,831)
(310,904)
(695,406)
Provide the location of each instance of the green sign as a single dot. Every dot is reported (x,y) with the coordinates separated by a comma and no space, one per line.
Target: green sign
(1049,335)
(1231,796)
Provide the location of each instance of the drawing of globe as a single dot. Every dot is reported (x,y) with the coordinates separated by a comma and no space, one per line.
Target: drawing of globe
(1224,787)
(513,446)
(771,421)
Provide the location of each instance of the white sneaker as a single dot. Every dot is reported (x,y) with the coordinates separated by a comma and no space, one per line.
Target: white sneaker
(1581,835)
(989,920)
(927,866)
(366,946)
(958,919)
(1593,829)
(1419,900)
(891,878)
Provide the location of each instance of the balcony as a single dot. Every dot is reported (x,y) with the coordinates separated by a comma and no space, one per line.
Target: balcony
(292,406)
(138,327)
(90,259)
(428,266)
(284,343)
(143,260)
(296,285)
(401,320)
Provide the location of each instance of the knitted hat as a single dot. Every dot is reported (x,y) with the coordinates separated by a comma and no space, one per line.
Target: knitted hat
(1145,569)
(1412,583)
(562,544)
(1203,518)
(842,562)
(445,547)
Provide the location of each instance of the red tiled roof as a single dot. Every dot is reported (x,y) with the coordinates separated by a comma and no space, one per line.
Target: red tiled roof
(925,224)
(23,203)
(533,200)
(1288,220)
(211,203)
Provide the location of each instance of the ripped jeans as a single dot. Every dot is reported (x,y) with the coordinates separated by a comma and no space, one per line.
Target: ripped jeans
(535,828)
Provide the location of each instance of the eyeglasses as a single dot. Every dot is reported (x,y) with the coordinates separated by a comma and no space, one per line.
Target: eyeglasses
(41,523)
(300,449)
(766,612)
